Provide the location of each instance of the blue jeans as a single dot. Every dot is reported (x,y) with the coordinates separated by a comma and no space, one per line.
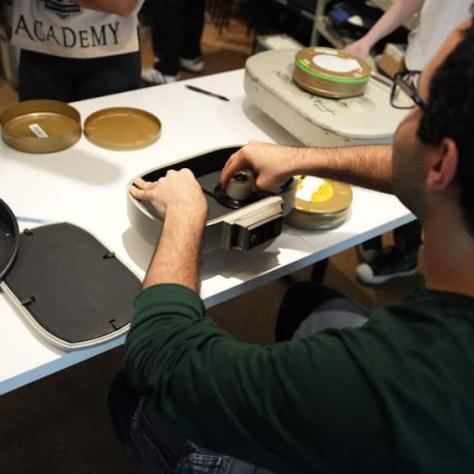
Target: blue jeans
(156,445)
(306,309)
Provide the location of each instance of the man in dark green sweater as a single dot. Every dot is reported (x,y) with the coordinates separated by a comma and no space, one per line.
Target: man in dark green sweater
(394,395)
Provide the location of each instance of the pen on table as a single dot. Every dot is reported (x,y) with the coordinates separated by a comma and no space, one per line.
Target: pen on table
(203,91)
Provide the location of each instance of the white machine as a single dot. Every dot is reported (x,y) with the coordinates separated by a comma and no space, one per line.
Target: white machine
(239,220)
(314,120)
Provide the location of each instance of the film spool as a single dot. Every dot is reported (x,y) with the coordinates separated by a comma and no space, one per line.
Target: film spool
(331,73)
(320,204)
(240,186)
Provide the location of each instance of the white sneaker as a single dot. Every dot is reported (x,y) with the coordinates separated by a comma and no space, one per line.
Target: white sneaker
(385,267)
(192,65)
(153,76)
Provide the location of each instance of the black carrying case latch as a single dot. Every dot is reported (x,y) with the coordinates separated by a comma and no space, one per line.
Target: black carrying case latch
(27,301)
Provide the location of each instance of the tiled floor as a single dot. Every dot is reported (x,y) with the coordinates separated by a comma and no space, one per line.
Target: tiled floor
(59,425)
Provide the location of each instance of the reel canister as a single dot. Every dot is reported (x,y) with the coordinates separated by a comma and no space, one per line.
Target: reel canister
(320,204)
(331,73)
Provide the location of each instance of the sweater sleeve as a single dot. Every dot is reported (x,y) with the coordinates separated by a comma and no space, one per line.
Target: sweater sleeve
(301,404)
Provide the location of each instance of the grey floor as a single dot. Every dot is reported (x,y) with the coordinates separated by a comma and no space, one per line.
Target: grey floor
(60,425)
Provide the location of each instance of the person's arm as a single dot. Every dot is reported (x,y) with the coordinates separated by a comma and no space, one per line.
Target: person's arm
(369,166)
(179,200)
(395,16)
(176,258)
(118,7)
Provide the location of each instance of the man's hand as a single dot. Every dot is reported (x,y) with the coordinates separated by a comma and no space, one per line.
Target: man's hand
(272,164)
(177,193)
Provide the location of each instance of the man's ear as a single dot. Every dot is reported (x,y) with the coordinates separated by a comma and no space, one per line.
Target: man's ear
(443,165)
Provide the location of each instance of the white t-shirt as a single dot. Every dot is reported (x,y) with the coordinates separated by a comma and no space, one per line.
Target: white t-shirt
(438,18)
(62,28)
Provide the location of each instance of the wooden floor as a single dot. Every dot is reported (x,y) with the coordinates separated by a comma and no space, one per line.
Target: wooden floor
(60,425)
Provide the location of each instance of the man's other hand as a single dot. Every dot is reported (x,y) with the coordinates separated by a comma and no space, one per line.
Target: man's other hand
(178,193)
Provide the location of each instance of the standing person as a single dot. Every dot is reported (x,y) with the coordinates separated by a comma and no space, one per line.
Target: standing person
(177,29)
(437,18)
(74,50)
(392,394)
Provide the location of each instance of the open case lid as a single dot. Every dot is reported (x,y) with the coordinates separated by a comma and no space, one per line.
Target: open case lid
(9,239)
(70,288)
(122,128)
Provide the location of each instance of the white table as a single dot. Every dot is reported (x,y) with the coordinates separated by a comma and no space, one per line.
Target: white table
(86,185)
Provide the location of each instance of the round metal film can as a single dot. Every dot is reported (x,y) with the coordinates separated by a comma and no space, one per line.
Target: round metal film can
(320,204)
(41,126)
(122,128)
(331,73)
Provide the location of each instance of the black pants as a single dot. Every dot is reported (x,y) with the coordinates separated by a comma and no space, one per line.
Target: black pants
(177,29)
(42,76)
(407,239)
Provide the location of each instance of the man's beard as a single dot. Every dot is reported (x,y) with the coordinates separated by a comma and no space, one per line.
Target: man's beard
(408,178)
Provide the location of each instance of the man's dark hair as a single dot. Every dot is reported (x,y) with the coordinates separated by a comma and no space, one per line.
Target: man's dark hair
(450,113)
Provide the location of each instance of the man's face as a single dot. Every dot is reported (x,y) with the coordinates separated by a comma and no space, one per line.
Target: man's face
(407,163)
(411,158)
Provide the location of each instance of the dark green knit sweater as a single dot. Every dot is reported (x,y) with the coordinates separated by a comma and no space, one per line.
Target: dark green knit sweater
(394,396)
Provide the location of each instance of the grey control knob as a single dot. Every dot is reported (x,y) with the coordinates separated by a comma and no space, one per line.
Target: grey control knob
(240,186)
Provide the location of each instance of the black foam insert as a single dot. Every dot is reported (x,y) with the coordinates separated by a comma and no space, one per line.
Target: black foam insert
(206,169)
(71,284)
(199,165)
(9,239)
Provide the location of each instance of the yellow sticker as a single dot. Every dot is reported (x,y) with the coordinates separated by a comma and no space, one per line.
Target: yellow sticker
(324,193)
(314,189)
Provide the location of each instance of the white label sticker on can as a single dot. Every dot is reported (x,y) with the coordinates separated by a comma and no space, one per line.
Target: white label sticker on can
(336,63)
(38,130)
(308,186)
